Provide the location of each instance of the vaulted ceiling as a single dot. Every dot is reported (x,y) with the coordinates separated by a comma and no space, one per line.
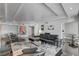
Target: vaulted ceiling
(24,12)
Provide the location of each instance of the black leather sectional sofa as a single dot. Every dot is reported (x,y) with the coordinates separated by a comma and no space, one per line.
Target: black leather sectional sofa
(49,38)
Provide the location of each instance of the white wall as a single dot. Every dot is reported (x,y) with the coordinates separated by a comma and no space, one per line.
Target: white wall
(71,28)
(36,28)
(9,28)
(57,26)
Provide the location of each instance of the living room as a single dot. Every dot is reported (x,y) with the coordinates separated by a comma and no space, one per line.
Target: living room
(39,29)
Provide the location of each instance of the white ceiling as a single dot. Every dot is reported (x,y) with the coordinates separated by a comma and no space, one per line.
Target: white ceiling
(71,8)
(2,10)
(11,10)
(36,11)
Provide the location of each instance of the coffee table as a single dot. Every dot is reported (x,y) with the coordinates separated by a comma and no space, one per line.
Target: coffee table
(17,47)
(34,38)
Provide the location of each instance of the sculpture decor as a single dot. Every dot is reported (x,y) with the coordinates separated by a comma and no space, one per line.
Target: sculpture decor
(22,29)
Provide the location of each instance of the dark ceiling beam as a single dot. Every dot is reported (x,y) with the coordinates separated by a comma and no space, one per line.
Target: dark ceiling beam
(49,9)
(63,9)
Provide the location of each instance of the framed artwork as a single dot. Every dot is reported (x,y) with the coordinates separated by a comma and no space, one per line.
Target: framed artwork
(51,27)
(42,27)
(22,29)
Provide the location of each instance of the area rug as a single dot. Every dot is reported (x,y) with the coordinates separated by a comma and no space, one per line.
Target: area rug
(50,50)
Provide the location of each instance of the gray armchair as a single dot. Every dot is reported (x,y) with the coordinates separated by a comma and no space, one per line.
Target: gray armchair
(5,51)
(5,48)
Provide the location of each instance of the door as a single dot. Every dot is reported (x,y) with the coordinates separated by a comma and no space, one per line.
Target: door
(31,30)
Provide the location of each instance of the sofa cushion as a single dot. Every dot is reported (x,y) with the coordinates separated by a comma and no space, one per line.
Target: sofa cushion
(5,51)
(29,50)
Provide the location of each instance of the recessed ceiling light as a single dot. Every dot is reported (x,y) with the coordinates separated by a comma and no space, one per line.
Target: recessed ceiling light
(71,8)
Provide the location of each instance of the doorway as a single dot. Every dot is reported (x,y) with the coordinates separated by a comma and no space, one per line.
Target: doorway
(31,30)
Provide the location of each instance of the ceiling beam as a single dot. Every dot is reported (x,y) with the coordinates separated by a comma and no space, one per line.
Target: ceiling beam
(18,10)
(63,9)
(6,11)
(58,18)
(49,9)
